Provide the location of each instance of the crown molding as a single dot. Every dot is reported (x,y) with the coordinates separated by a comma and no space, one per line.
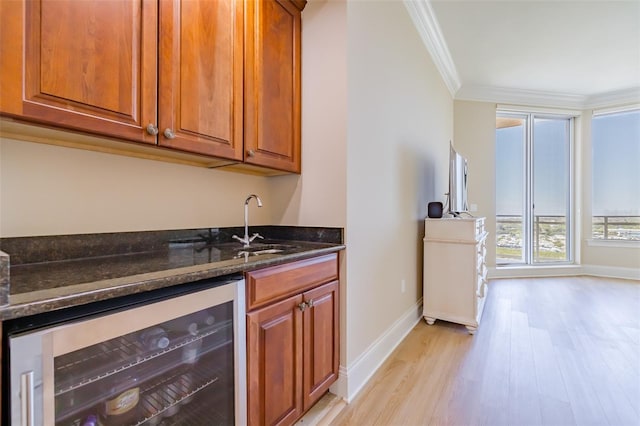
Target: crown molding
(547,99)
(426,23)
(617,98)
(520,97)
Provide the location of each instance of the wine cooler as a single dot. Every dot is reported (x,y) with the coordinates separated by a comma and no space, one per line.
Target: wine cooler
(178,361)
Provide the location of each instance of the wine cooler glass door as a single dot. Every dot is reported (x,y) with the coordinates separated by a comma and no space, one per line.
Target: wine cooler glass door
(145,365)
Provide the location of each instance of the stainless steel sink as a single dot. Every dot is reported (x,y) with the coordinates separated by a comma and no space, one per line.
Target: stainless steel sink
(259,252)
(259,249)
(233,250)
(266,246)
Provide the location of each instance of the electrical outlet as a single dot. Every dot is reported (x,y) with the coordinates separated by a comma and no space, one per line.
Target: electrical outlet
(403,286)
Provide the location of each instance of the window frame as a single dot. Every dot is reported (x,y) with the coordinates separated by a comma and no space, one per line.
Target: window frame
(605,242)
(529,116)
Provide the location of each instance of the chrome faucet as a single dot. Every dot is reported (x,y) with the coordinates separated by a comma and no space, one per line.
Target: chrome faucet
(247,239)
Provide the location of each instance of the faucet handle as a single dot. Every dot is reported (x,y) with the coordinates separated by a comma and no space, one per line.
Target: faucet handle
(239,239)
(256,235)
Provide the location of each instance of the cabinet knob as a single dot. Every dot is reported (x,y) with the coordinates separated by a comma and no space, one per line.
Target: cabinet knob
(152,130)
(310,304)
(251,153)
(168,133)
(302,306)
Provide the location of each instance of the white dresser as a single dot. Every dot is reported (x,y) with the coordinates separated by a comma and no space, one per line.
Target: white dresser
(455,273)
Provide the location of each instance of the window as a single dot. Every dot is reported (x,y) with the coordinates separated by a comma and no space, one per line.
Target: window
(616,176)
(533,188)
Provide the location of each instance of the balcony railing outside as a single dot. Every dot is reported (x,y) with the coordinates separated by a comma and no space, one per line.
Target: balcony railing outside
(550,236)
(616,228)
(509,239)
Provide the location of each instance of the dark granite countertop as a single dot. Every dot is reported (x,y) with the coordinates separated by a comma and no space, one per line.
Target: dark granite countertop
(48,273)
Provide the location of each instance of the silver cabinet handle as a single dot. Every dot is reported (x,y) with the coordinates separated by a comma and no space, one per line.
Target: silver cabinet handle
(152,130)
(26,399)
(251,153)
(310,304)
(168,133)
(302,306)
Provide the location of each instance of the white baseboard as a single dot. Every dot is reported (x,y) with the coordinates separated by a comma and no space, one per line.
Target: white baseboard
(534,271)
(563,271)
(612,272)
(352,379)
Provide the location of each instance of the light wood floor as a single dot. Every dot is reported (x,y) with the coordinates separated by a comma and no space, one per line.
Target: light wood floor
(550,351)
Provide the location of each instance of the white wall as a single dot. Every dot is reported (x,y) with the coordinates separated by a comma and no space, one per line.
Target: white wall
(400,123)
(318,196)
(377,120)
(51,190)
(474,137)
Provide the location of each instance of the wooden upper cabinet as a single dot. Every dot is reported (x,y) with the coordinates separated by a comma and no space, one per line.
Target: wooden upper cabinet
(219,78)
(88,65)
(272,84)
(200,76)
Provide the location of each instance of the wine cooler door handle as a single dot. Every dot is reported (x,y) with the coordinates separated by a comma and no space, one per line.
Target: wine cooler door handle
(26,399)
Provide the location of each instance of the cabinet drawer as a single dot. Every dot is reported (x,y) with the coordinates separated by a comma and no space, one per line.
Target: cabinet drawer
(271,284)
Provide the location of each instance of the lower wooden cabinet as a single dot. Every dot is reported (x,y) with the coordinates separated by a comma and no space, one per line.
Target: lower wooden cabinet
(292,340)
(274,363)
(320,342)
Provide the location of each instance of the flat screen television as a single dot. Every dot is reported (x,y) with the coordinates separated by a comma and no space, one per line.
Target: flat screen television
(457,183)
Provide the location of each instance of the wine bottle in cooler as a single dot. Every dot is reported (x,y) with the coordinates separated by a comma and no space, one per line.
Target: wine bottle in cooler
(182,327)
(191,351)
(122,406)
(154,338)
(190,355)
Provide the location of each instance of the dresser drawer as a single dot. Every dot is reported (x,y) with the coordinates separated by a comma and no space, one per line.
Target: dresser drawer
(482,249)
(481,283)
(271,284)
(479,226)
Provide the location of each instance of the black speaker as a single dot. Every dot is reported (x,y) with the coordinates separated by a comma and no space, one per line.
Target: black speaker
(434,210)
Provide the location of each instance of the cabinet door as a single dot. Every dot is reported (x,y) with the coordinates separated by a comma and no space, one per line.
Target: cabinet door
(274,363)
(200,73)
(88,65)
(321,341)
(272,81)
